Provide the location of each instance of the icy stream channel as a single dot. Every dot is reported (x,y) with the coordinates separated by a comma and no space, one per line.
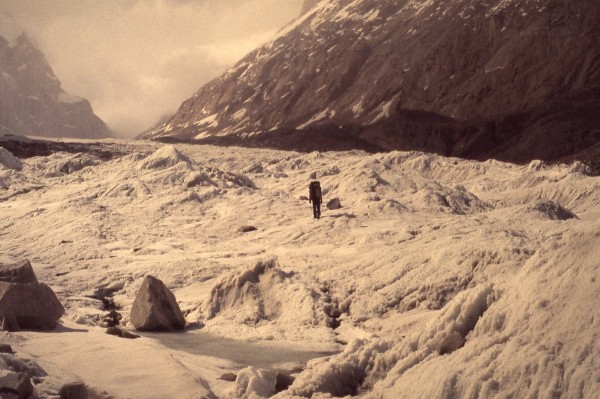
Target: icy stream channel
(244,353)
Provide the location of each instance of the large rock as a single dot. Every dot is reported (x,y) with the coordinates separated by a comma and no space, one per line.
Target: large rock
(334,203)
(73,390)
(15,385)
(116,331)
(552,210)
(29,306)
(20,272)
(8,160)
(155,308)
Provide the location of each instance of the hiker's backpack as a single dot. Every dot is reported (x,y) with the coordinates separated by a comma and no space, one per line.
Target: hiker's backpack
(315,191)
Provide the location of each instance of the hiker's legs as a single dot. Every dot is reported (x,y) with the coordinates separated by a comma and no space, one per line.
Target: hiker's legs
(316,211)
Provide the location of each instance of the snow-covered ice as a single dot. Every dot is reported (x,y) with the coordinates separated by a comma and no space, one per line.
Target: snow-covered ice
(438,278)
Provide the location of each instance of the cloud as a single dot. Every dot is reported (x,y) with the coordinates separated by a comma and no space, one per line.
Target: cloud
(137,60)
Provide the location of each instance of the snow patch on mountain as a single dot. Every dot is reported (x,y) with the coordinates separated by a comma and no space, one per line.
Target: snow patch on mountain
(322,5)
(325,114)
(354,12)
(209,121)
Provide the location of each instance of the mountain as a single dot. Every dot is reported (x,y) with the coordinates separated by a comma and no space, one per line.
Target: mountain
(506,79)
(33,101)
(308,5)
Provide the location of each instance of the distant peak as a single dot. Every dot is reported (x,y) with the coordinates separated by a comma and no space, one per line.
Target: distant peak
(10,29)
(308,4)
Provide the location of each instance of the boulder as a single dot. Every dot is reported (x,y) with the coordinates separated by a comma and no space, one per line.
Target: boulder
(8,160)
(155,308)
(111,319)
(283,381)
(452,342)
(73,390)
(19,272)
(230,377)
(121,333)
(109,289)
(334,203)
(247,229)
(552,210)
(254,168)
(11,362)
(6,348)
(30,306)
(15,385)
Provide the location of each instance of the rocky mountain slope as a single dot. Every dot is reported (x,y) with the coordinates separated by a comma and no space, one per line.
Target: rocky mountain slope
(33,101)
(509,79)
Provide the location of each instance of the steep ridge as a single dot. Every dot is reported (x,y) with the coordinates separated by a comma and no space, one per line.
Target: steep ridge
(307,5)
(33,101)
(462,77)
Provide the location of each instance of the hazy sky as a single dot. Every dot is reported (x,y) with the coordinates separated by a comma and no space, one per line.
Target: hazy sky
(137,60)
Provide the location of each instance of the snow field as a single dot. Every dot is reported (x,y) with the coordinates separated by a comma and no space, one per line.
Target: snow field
(438,277)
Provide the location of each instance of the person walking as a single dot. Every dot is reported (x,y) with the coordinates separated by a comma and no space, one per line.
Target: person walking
(315,197)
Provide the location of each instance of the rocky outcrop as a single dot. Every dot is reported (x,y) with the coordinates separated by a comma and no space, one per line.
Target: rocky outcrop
(15,385)
(29,306)
(19,272)
(116,331)
(33,101)
(246,229)
(25,147)
(73,390)
(549,210)
(507,79)
(155,308)
(9,161)
(24,302)
(334,203)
